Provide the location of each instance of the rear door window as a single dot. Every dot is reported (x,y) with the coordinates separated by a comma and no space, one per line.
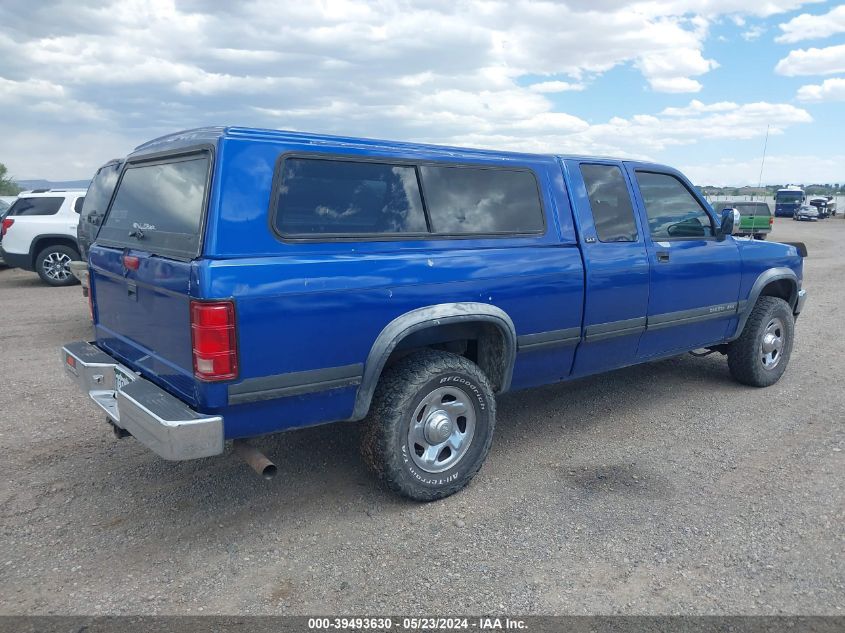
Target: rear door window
(473,200)
(610,203)
(344,197)
(158,207)
(36,206)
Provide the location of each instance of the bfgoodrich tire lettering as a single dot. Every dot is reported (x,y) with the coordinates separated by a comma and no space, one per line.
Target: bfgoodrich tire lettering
(761,353)
(411,395)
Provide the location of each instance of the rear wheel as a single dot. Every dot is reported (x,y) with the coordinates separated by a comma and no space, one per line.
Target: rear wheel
(430,425)
(53,265)
(761,353)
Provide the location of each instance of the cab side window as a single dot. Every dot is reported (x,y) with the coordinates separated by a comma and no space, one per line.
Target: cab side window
(672,210)
(610,203)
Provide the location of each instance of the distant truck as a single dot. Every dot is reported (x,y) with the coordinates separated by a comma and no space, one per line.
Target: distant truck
(788,201)
(825,205)
(756,218)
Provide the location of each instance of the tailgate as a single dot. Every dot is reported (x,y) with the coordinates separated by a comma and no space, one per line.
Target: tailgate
(141,268)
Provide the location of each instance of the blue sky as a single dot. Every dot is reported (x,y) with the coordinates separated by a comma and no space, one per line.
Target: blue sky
(692,83)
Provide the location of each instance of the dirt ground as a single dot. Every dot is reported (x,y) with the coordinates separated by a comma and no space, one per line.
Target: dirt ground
(663,488)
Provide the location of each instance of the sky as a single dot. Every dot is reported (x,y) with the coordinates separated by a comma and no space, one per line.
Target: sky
(690,83)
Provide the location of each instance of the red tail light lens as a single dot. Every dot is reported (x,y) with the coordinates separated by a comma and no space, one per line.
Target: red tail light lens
(215,345)
(7,222)
(771,220)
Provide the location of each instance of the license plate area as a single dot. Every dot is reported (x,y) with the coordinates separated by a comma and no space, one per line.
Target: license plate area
(122,378)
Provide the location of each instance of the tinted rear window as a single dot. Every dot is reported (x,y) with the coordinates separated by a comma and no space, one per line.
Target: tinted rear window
(36,206)
(464,200)
(749,208)
(346,197)
(158,207)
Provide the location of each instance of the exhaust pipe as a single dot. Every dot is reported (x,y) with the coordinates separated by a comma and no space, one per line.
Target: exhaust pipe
(256,459)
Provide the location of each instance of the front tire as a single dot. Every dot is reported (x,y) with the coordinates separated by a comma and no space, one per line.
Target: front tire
(430,425)
(760,355)
(53,265)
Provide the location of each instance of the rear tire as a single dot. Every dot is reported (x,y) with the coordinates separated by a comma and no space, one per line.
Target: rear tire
(53,265)
(430,425)
(761,353)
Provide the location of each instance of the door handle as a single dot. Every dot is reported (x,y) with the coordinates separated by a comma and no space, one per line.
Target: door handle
(662,257)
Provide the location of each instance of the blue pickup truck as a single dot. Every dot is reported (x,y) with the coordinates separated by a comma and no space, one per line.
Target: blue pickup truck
(248,281)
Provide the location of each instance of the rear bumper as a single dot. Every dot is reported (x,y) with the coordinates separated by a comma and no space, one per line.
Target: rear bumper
(80,271)
(161,422)
(16,260)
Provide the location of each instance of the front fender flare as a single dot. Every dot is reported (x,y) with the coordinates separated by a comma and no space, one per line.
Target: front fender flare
(431,316)
(763,280)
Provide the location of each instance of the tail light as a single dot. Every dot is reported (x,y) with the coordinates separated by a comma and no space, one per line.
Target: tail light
(771,220)
(7,223)
(214,340)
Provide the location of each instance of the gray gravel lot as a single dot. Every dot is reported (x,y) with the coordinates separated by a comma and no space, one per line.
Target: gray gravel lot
(663,488)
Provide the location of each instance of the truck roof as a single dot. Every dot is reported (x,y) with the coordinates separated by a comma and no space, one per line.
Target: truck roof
(210,135)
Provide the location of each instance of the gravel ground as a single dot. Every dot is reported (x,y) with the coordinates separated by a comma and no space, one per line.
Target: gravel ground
(664,488)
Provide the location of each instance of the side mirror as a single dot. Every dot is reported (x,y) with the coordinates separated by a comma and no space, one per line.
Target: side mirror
(730,222)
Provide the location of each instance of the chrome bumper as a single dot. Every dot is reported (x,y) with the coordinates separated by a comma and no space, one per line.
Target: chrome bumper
(799,304)
(161,422)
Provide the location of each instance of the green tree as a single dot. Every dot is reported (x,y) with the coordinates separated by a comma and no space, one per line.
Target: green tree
(8,187)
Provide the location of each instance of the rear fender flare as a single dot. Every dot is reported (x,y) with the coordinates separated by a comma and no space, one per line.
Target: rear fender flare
(431,316)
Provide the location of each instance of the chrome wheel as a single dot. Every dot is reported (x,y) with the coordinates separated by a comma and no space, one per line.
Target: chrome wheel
(441,429)
(771,347)
(56,266)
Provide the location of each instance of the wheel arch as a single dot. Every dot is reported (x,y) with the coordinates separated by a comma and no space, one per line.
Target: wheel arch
(50,239)
(775,282)
(496,362)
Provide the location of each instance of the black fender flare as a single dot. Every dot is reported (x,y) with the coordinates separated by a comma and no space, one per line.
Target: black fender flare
(763,280)
(431,316)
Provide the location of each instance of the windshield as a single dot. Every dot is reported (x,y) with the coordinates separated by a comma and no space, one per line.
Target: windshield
(158,207)
(789,196)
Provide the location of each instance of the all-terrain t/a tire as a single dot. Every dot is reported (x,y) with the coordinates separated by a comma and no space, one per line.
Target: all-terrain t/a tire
(53,265)
(430,425)
(761,353)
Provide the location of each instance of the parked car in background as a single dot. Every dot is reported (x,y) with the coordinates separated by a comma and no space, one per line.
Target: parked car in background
(826,206)
(806,212)
(5,204)
(756,218)
(91,216)
(227,255)
(39,233)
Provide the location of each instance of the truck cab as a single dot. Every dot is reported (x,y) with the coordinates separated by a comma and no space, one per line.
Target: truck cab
(246,282)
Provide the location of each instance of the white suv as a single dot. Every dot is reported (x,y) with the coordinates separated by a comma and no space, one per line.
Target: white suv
(39,233)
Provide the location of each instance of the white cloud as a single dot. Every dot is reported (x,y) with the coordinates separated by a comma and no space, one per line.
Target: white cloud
(556,86)
(778,169)
(813,61)
(438,71)
(753,33)
(828,90)
(809,27)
